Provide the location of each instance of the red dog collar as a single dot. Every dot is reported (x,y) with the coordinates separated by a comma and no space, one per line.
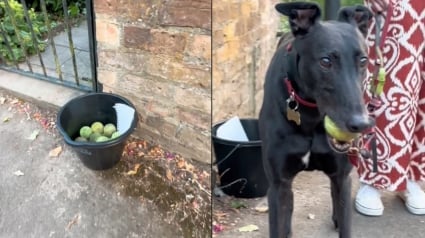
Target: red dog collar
(301,101)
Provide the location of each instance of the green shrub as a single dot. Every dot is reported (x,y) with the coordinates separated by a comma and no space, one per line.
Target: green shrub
(22,41)
(55,7)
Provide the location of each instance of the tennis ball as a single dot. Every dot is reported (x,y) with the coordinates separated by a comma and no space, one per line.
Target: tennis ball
(102,139)
(85,132)
(115,135)
(80,139)
(94,136)
(97,127)
(334,131)
(109,129)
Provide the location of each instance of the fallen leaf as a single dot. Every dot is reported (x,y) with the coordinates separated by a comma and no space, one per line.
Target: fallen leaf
(217,228)
(134,170)
(261,208)
(14,101)
(181,164)
(2,100)
(6,119)
(169,175)
(190,167)
(33,135)
(73,221)
(311,216)
(55,152)
(237,204)
(18,173)
(248,228)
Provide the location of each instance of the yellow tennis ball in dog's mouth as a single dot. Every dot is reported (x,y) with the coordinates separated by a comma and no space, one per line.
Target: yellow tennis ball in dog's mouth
(334,131)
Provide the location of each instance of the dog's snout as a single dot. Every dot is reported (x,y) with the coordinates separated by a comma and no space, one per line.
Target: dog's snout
(359,123)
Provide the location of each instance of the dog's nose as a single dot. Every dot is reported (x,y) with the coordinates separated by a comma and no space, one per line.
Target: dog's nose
(359,123)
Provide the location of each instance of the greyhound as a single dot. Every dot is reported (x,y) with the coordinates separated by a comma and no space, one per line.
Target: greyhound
(319,74)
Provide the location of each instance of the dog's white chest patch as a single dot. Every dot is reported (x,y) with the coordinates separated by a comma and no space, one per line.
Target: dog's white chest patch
(306,158)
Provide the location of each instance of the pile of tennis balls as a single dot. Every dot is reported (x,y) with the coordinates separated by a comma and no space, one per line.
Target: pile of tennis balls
(98,132)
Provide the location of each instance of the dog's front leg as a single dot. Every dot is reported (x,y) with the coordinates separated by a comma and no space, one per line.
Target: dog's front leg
(341,200)
(281,204)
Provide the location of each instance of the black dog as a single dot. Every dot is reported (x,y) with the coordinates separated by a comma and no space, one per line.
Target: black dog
(319,74)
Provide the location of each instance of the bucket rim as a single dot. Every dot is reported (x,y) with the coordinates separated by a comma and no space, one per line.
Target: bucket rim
(104,144)
(233,142)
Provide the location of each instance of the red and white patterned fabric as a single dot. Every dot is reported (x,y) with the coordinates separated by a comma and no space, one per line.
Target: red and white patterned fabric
(401,119)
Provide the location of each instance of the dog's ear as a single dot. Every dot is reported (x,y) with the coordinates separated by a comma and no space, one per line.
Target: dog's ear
(302,15)
(358,15)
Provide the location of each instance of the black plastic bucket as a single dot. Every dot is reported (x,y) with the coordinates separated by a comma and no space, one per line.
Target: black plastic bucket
(239,163)
(84,110)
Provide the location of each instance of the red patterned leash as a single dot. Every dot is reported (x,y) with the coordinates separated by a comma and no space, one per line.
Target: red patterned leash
(367,145)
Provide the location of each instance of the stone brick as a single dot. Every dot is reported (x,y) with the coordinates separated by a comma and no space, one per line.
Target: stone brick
(107,33)
(200,119)
(171,69)
(157,42)
(195,140)
(146,10)
(149,87)
(218,38)
(172,44)
(227,52)
(119,60)
(186,13)
(197,151)
(106,6)
(129,10)
(218,77)
(200,47)
(193,98)
(166,128)
(160,108)
(137,37)
(107,77)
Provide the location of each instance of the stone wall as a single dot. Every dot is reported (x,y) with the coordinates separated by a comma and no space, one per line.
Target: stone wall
(244,39)
(158,55)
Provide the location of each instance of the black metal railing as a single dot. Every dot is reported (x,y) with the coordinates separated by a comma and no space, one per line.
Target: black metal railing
(43,60)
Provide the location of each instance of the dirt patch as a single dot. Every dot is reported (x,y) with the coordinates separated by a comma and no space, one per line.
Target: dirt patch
(178,187)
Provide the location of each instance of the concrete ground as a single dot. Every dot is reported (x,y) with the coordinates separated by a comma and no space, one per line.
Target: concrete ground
(312,214)
(44,196)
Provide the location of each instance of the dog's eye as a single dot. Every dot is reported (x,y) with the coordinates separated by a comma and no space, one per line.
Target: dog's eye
(363,61)
(325,62)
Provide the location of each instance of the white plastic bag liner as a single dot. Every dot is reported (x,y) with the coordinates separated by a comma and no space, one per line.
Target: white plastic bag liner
(125,116)
(232,130)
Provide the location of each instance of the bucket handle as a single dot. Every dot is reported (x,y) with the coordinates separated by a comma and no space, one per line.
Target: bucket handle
(229,154)
(243,180)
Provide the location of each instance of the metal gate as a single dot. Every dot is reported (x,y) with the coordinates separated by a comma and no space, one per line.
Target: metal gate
(32,44)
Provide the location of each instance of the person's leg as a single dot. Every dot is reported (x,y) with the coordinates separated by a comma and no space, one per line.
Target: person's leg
(414,196)
(396,119)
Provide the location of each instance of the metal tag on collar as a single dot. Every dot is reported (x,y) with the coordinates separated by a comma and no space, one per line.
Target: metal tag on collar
(292,113)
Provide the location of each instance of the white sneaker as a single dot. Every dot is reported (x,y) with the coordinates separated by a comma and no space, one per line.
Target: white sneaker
(414,198)
(368,201)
